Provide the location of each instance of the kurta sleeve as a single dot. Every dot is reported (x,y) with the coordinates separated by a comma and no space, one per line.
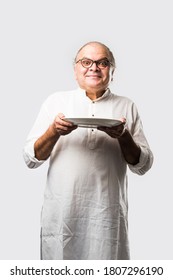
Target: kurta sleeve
(145,162)
(146,156)
(40,126)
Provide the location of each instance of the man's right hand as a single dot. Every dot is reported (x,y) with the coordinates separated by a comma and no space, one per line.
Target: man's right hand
(62,127)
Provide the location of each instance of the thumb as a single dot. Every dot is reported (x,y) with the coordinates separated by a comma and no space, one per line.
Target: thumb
(123,120)
(61,115)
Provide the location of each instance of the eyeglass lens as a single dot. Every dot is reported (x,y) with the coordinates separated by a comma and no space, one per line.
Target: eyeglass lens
(87,63)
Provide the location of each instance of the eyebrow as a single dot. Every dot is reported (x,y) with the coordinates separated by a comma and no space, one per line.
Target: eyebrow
(95,60)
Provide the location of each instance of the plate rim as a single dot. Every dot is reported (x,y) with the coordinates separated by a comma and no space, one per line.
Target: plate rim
(91,124)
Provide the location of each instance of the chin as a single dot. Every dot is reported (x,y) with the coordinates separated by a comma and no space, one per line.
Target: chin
(94,84)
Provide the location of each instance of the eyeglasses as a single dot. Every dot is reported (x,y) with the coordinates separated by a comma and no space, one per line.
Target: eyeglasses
(87,62)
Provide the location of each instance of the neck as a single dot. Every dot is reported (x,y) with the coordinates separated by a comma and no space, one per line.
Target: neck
(95,94)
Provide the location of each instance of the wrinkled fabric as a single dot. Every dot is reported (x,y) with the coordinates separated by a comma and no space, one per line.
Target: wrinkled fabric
(85,209)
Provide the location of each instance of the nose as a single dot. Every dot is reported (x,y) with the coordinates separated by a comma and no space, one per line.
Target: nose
(94,67)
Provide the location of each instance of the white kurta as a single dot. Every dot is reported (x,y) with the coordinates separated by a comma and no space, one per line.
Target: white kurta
(85,210)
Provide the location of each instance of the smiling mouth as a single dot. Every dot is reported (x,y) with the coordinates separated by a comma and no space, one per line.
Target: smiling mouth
(94,76)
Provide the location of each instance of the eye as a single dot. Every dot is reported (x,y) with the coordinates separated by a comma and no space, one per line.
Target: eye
(103,63)
(86,62)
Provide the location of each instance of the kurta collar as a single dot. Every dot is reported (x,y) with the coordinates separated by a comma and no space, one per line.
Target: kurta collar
(105,94)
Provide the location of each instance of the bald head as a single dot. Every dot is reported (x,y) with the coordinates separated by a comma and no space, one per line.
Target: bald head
(95,44)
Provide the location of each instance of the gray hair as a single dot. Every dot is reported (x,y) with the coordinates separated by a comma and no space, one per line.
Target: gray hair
(110,54)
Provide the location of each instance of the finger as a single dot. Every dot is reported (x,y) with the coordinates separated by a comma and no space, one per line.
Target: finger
(61,115)
(123,120)
(66,123)
(64,129)
(59,120)
(102,128)
(114,132)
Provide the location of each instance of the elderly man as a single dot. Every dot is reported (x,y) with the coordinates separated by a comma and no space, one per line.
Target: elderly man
(85,210)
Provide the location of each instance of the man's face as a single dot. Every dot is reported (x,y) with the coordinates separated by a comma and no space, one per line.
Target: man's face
(93,78)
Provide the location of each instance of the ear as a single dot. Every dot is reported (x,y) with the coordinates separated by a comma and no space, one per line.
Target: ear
(112,73)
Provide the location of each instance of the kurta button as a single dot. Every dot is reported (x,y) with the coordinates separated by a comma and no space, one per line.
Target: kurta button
(92,115)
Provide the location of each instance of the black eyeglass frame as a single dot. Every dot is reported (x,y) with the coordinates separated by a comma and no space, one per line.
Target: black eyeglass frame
(95,61)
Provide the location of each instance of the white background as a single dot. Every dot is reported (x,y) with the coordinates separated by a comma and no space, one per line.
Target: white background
(39,40)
